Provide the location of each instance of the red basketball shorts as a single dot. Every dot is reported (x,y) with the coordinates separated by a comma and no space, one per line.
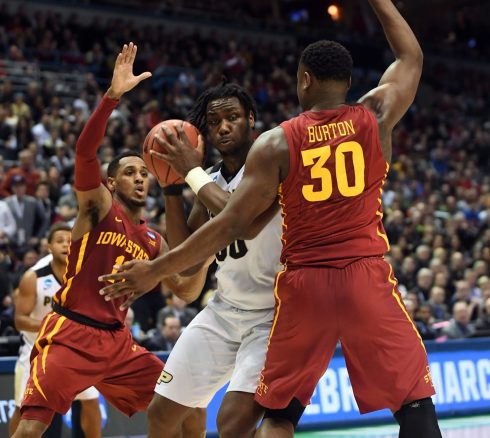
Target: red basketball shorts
(69,357)
(360,306)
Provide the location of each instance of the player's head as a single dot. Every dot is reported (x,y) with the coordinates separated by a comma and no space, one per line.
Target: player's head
(59,238)
(225,115)
(324,67)
(127,179)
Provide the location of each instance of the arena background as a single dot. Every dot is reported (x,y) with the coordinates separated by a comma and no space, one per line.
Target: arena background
(56,61)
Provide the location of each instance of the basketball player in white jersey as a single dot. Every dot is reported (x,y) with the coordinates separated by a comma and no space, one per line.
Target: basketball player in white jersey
(33,302)
(227,340)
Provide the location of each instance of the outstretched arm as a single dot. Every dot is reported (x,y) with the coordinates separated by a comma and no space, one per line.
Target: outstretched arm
(266,166)
(94,199)
(398,85)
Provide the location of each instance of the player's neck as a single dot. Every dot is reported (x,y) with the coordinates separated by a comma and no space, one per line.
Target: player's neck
(232,163)
(133,213)
(328,104)
(58,269)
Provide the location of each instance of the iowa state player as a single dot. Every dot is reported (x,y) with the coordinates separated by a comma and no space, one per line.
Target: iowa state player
(84,342)
(329,164)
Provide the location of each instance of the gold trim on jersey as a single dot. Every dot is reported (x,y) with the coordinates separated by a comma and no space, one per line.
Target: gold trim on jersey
(49,340)
(41,332)
(402,306)
(35,380)
(78,266)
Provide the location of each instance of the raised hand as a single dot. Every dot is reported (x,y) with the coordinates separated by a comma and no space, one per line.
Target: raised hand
(123,78)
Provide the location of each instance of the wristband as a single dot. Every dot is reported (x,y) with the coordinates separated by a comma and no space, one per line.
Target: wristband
(173,190)
(197,178)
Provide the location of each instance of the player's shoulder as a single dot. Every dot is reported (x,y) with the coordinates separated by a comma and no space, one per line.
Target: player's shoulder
(43,271)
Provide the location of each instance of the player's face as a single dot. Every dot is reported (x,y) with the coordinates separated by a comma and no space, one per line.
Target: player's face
(131,182)
(229,128)
(60,242)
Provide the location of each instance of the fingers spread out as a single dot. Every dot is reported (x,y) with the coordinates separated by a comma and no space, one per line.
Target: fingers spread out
(179,128)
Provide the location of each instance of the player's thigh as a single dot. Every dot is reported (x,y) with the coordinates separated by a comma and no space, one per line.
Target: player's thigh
(385,356)
(200,363)
(250,357)
(238,414)
(53,384)
(128,383)
(302,340)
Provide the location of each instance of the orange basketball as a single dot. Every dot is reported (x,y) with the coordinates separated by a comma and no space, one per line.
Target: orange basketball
(162,171)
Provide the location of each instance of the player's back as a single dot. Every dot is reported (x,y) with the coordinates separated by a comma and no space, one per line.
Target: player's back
(331,197)
(114,240)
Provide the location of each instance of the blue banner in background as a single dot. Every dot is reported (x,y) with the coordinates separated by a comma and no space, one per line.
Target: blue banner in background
(460,373)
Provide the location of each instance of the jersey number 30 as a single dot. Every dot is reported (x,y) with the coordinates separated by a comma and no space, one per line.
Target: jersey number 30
(317,157)
(236,250)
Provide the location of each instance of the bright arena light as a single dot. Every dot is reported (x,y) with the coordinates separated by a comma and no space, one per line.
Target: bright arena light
(334,12)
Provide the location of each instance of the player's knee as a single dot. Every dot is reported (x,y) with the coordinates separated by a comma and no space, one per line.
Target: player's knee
(163,414)
(194,424)
(418,418)
(290,414)
(231,425)
(29,429)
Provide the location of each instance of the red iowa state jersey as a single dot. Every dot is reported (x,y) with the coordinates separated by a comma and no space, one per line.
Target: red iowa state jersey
(331,198)
(114,240)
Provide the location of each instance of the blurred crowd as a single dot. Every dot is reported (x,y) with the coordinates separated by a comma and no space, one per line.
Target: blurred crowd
(436,199)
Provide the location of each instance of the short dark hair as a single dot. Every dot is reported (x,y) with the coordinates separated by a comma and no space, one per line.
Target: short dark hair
(114,164)
(197,115)
(327,60)
(57,226)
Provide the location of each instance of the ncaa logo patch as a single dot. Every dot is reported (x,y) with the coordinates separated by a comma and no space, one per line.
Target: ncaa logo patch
(48,282)
(152,235)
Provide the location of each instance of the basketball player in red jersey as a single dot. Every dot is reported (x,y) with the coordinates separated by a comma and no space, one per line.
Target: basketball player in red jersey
(328,166)
(84,341)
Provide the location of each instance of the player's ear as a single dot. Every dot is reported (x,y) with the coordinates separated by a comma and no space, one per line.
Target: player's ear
(251,120)
(111,184)
(306,80)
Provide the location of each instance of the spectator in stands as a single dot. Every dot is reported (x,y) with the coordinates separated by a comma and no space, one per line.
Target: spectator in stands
(482,324)
(29,215)
(30,175)
(460,326)
(463,293)
(8,226)
(437,303)
(178,308)
(166,336)
(423,322)
(425,279)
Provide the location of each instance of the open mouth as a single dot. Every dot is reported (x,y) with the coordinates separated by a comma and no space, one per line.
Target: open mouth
(140,191)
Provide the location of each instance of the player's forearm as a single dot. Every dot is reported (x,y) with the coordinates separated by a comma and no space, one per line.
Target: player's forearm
(213,197)
(187,288)
(175,220)
(26,323)
(402,40)
(203,243)
(87,173)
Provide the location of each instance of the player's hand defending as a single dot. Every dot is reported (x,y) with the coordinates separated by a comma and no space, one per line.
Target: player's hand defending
(123,78)
(181,155)
(132,279)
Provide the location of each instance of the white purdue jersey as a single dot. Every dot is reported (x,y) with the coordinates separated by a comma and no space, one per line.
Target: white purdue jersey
(46,286)
(247,269)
